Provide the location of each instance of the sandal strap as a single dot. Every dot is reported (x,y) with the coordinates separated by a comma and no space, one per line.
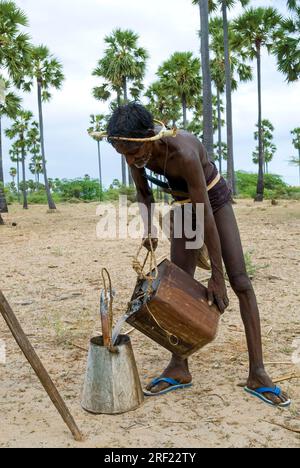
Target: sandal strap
(275,390)
(164,379)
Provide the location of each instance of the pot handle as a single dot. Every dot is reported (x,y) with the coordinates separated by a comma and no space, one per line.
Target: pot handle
(139,268)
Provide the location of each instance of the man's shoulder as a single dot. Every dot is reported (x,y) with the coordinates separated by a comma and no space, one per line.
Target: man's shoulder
(188,136)
(190,143)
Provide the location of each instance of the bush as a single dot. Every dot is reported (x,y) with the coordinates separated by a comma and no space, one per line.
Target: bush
(81,189)
(37,198)
(275,187)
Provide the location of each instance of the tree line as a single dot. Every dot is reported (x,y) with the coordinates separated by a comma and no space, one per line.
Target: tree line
(25,66)
(190,92)
(187,84)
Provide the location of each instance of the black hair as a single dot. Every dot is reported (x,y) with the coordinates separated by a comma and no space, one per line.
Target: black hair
(131,120)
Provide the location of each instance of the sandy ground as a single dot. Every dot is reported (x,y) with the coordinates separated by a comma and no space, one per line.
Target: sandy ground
(50,273)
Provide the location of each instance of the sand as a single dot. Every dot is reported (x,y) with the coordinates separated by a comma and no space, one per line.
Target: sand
(50,272)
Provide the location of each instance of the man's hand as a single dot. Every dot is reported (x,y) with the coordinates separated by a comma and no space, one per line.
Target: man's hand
(147,243)
(217,293)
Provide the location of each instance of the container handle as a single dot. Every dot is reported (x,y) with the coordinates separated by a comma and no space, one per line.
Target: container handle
(139,268)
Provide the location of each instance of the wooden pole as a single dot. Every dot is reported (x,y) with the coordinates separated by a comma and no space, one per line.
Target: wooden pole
(38,367)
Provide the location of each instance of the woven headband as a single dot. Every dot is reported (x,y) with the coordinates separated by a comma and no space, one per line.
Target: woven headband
(163,133)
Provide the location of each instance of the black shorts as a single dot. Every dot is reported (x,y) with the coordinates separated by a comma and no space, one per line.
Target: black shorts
(219,195)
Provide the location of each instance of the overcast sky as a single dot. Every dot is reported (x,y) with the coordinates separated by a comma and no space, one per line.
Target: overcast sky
(74,31)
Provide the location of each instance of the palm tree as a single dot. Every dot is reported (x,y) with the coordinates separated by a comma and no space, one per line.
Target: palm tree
(14,45)
(218,79)
(255,29)
(221,151)
(208,133)
(98,124)
(269,149)
(15,157)
(225,5)
(239,70)
(34,148)
(9,107)
(13,173)
(36,168)
(195,126)
(287,48)
(124,62)
(180,75)
(296,142)
(19,131)
(14,51)
(46,70)
(163,103)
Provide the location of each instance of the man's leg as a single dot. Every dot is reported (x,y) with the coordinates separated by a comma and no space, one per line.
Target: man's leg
(178,368)
(236,269)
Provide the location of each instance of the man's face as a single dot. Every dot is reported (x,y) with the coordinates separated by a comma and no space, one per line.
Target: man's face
(136,154)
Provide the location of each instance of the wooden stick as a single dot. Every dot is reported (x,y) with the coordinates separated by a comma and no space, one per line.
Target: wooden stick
(38,367)
(76,346)
(278,380)
(278,362)
(297,431)
(287,377)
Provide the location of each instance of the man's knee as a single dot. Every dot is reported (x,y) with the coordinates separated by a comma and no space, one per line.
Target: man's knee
(241,283)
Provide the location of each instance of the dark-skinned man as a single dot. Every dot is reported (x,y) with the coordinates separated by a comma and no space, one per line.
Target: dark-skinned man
(184,162)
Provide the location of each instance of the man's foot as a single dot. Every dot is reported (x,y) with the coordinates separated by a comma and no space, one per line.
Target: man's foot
(177,370)
(261,379)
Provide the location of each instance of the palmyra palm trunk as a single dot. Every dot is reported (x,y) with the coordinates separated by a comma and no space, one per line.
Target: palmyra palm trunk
(219,131)
(100,169)
(299,164)
(3,204)
(260,181)
(208,132)
(51,203)
(25,202)
(123,161)
(184,111)
(18,178)
(230,158)
(130,179)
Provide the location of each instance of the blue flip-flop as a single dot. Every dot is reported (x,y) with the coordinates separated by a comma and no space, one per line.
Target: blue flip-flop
(258,392)
(174,385)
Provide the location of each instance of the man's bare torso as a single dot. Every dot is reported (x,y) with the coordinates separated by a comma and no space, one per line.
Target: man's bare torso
(172,153)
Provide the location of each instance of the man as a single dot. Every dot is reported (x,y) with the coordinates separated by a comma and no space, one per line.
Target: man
(185,164)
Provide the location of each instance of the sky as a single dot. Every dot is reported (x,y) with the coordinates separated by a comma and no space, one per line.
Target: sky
(74,31)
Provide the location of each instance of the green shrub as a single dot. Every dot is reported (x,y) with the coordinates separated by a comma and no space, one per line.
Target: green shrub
(37,198)
(275,187)
(83,189)
(111,194)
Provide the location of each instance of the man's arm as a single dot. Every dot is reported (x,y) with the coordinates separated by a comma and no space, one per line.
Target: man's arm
(145,196)
(194,176)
